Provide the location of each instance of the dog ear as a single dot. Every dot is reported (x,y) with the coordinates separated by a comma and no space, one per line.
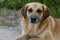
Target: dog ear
(23,11)
(46,12)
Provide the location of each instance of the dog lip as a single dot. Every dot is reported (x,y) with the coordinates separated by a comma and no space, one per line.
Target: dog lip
(34,21)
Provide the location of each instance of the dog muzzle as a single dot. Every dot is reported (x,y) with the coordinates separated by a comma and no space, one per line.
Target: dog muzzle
(34,19)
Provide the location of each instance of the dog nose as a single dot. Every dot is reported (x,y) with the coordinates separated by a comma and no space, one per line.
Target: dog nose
(33,19)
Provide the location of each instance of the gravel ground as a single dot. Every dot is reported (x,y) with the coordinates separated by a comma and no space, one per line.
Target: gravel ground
(9,33)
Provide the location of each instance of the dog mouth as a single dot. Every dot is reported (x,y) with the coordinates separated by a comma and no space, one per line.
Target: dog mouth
(34,20)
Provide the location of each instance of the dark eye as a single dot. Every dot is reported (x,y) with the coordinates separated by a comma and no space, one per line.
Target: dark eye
(38,11)
(30,10)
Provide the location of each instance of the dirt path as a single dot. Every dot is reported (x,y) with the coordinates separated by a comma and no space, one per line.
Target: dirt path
(9,33)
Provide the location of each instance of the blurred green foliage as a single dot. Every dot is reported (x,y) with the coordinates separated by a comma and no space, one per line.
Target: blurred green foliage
(54,5)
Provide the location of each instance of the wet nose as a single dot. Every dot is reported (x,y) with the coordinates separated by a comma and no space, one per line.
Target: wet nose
(33,19)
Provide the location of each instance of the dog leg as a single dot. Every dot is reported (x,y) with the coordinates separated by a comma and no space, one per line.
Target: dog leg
(23,37)
(34,39)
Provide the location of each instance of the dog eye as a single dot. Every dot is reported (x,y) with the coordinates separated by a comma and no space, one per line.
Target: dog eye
(38,11)
(30,10)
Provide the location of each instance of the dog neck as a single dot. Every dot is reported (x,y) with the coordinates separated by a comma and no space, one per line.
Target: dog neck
(34,29)
(41,30)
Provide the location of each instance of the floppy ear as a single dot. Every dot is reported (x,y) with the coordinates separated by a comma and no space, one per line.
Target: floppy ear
(46,13)
(24,11)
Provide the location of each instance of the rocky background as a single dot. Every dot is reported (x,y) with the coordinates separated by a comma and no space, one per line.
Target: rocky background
(9,17)
(9,24)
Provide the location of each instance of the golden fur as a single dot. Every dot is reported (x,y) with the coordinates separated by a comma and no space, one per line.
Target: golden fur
(47,29)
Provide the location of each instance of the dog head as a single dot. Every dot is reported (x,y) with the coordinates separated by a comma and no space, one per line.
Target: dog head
(35,12)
